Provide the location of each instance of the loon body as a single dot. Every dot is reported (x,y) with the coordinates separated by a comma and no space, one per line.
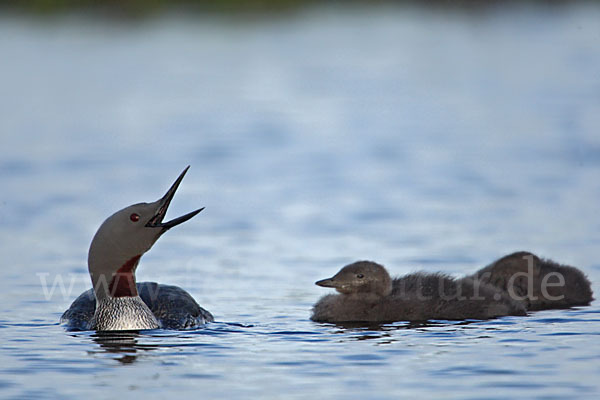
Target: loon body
(512,285)
(369,294)
(539,284)
(116,301)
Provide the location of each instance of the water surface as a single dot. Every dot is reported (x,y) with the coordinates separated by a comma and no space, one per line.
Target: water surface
(425,140)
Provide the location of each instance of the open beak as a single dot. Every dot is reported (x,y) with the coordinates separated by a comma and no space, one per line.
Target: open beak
(156,221)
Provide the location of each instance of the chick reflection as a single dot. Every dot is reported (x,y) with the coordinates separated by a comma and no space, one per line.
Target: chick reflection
(369,331)
(384,333)
(124,343)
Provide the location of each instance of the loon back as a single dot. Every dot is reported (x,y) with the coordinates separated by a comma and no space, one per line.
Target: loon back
(538,283)
(173,308)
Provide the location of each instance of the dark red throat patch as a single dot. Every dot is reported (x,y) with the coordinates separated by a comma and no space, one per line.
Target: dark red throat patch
(123,281)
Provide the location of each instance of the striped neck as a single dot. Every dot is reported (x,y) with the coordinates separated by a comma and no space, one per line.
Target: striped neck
(122,314)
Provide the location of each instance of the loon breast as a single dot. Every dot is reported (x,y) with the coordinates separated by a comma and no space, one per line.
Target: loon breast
(173,308)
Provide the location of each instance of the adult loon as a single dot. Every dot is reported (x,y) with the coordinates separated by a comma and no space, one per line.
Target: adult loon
(368,294)
(116,301)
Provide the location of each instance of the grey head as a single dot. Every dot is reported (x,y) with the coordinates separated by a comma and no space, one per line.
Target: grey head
(360,277)
(123,238)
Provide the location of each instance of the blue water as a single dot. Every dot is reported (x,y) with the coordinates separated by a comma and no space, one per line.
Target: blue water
(434,140)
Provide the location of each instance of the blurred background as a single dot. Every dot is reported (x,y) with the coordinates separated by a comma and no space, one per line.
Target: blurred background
(422,135)
(469,126)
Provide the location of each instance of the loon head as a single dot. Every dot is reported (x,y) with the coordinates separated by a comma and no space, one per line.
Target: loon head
(123,238)
(360,277)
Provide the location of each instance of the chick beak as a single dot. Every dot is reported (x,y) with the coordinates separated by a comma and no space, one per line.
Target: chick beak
(329,282)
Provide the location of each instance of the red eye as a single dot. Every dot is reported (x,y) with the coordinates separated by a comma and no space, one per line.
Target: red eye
(134,217)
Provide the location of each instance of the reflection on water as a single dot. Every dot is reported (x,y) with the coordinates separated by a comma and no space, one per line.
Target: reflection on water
(123,344)
(435,140)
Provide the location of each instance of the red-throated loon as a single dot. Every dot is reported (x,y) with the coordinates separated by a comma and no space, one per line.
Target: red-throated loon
(510,286)
(116,301)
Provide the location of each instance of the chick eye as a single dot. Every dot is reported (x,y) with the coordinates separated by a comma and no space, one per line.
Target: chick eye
(360,276)
(134,217)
